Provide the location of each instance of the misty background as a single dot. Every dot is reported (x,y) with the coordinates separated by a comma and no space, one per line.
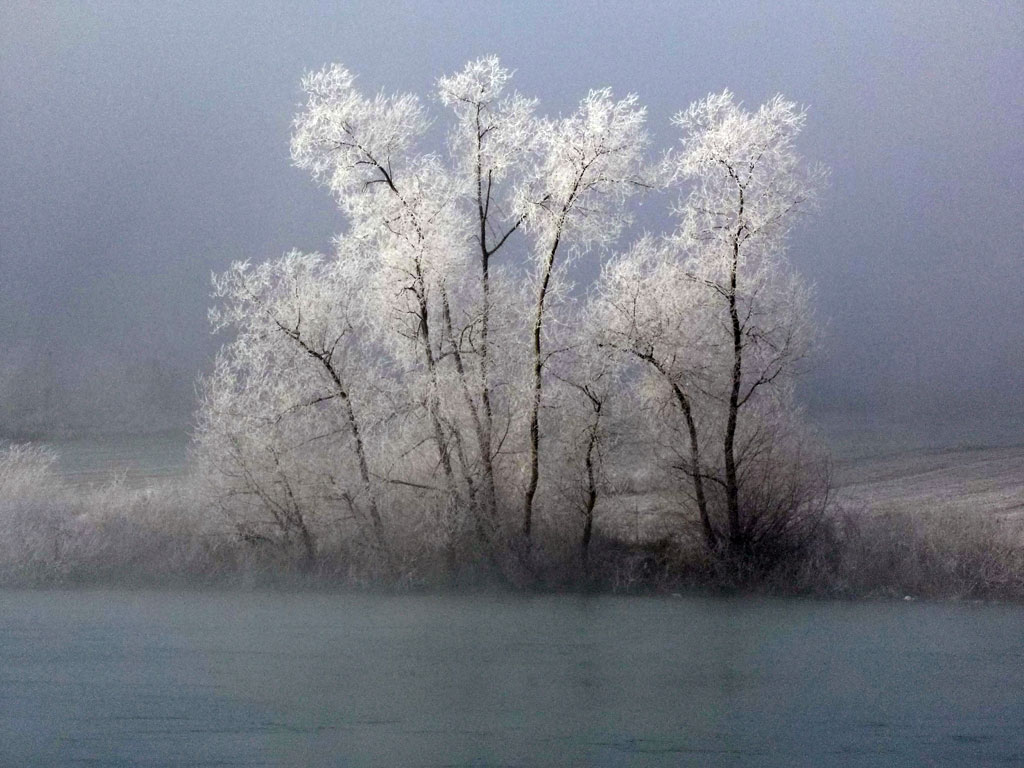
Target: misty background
(144,145)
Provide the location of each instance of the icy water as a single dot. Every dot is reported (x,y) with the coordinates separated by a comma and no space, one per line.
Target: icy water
(145,678)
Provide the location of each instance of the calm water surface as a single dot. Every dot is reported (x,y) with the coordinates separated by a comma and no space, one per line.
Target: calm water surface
(111,678)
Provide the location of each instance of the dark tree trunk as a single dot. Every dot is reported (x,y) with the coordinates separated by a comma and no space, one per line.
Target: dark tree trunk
(538,369)
(732,499)
(590,502)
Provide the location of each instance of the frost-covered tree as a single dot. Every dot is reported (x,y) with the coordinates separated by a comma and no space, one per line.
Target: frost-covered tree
(491,144)
(715,311)
(564,179)
(402,206)
(749,187)
(439,354)
(279,417)
(648,307)
(590,163)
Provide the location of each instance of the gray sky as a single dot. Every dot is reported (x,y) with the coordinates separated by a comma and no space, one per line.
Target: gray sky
(143,145)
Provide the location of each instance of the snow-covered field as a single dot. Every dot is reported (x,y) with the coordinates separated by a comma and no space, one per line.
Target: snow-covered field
(988,481)
(984,481)
(892,478)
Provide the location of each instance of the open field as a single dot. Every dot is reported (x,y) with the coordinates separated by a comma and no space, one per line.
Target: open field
(893,479)
(929,482)
(987,481)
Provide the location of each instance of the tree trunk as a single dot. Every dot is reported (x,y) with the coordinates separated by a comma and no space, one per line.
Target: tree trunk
(434,404)
(364,474)
(484,516)
(538,324)
(538,368)
(729,444)
(710,538)
(696,477)
(591,501)
(487,435)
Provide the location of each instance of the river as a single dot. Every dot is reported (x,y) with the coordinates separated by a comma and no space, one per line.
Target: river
(277,678)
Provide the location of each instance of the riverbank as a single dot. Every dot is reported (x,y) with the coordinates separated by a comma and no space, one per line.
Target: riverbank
(924,524)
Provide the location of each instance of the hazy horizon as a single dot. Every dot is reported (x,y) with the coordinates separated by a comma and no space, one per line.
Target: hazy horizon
(144,146)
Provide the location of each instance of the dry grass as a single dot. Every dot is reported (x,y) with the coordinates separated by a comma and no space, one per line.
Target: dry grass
(52,532)
(945,525)
(939,555)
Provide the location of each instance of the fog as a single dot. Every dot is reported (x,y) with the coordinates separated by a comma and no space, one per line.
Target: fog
(143,146)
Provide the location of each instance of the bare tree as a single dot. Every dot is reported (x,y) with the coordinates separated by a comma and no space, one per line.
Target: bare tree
(749,186)
(411,359)
(297,314)
(491,143)
(647,306)
(585,401)
(591,162)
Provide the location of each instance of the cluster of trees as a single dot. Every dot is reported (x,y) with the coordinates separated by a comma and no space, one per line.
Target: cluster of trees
(439,385)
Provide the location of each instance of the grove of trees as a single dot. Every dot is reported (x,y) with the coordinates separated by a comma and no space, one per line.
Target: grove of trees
(438,393)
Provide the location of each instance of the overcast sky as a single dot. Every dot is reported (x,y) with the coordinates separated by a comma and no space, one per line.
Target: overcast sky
(144,144)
